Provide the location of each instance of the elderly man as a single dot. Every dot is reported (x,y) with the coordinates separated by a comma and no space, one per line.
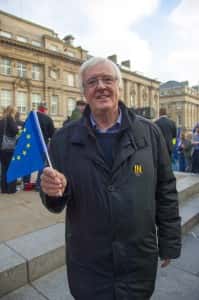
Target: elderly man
(112,171)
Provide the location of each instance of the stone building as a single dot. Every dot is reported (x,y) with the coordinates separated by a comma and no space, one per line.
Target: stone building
(37,66)
(181,102)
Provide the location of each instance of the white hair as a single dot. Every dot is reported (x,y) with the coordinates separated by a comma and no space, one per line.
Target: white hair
(95,61)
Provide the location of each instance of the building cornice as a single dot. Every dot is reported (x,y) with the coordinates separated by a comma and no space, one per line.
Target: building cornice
(40,50)
(179,95)
(138,75)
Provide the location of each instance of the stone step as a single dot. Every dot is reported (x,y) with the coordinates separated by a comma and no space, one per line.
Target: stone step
(187,185)
(189,212)
(33,255)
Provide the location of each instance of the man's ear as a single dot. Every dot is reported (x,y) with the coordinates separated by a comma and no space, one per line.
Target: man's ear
(120,90)
(84,98)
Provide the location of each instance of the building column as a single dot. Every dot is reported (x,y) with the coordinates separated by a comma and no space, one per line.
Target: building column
(139,95)
(14,93)
(124,91)
(29,107)
(128,92)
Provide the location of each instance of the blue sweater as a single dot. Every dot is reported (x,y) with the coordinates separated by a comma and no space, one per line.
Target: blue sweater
(107,142)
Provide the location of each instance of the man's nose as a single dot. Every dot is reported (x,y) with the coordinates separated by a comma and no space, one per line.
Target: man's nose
(100,83)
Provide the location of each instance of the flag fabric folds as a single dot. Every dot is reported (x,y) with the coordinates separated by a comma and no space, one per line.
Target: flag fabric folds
(29,154)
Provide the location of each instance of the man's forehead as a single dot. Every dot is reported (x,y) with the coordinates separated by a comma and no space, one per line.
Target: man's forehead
(104,68)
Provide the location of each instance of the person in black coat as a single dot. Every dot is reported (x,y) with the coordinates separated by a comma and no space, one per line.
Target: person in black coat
(46,123)
(111,168)
(8,125)
(168,129)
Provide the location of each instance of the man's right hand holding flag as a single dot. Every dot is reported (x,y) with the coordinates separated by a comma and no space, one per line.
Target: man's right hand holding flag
(53,183)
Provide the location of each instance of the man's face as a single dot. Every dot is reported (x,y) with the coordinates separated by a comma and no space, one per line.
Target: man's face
(101,88)
(81,107)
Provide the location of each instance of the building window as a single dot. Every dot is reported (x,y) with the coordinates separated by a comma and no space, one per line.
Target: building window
(35,100)
(21,69)
(178,105)
(5,98)
(5,66)
(21,102)
(53,47)
(36,43)
(71,104)
(179,120)
(54,105)
(70,53)
(36,72)
(22,39)
(5,34)
(70,79)
(65,76)
(53,74)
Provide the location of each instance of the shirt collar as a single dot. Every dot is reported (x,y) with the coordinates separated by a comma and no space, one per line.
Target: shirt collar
(113,129)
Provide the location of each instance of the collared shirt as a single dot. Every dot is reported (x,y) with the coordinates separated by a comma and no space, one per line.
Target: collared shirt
(196,139)
(113,129)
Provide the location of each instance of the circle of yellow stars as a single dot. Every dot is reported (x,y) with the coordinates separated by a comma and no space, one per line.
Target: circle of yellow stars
(26,147)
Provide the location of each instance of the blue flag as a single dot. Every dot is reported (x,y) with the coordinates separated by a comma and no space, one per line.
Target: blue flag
(30,151)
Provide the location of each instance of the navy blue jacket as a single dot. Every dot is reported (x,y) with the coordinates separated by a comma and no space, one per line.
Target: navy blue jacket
(119,220)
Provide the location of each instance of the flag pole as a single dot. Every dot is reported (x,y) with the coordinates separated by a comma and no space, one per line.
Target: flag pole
(42,138)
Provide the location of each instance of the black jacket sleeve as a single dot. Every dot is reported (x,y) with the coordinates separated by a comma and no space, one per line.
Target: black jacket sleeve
(167,209)
(57,204)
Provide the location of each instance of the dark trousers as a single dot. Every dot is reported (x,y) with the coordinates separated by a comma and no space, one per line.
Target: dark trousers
(182,162)
(5,158)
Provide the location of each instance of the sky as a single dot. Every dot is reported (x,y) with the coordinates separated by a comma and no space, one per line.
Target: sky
(160,37)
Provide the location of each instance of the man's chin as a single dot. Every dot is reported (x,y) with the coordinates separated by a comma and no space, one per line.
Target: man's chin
(104,106)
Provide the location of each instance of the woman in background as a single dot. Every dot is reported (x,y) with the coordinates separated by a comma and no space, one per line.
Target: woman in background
(195,156)
(8,125)
(184,152)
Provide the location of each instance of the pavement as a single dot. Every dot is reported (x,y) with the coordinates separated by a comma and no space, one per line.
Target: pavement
(32,249)
(23,213)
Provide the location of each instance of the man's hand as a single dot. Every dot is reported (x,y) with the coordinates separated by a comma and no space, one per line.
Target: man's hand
(53,183)
(165,262)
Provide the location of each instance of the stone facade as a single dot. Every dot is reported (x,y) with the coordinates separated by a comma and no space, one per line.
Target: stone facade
(140,91)
(37,66)
(181,102)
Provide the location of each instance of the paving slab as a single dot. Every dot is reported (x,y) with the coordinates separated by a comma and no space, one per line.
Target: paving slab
(195,231)
(13,270)
(54,285)
(43,249)
(174,284)
(24,293)
(188,260)
(180,280)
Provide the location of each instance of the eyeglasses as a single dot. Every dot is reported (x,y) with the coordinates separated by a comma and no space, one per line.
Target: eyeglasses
(94,81)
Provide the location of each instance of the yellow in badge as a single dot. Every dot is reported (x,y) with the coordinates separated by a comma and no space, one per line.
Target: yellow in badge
(138,169)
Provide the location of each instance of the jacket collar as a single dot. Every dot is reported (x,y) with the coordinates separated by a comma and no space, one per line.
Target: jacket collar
(130,124)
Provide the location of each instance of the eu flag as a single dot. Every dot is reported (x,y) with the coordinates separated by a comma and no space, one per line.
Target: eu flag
(30,151)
